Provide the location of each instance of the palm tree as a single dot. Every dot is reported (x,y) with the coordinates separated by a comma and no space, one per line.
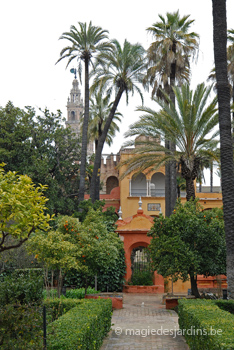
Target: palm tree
(168,63)
(121,69)
(230,67)
(86,42)
(100,107)
(226,141)
(187,126)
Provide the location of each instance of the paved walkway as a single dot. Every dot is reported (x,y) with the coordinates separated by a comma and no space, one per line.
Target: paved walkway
(144,323)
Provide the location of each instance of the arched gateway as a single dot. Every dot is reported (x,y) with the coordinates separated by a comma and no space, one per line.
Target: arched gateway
(133,232)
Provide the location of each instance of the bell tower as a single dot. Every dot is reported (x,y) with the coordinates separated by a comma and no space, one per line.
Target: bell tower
(75,110)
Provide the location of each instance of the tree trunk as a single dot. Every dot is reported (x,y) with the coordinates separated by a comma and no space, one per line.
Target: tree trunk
(211,176)
(84,135)
(168,184)
(173,171)
(194,288)
(226,143)
(101,141)
(190,190)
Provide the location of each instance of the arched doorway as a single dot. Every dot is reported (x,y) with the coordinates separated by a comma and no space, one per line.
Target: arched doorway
(111,183)
(141,266)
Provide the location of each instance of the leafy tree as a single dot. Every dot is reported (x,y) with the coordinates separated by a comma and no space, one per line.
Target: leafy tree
(15,133)
(188,243)
(41,147)
(121,69)
(86,247)
(187,124)
(226,140)
(85,42)
(169,64)
(22,207)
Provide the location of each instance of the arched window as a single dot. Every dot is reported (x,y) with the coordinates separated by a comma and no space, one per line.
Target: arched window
(157,185)
(138,185)
(73,115)
(111,183)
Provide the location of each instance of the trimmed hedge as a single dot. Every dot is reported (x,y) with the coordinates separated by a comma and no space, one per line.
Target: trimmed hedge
(58,306)
(205,326)
(227,305)
(83,327)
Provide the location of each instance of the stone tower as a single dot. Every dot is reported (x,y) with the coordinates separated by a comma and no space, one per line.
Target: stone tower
(75,110)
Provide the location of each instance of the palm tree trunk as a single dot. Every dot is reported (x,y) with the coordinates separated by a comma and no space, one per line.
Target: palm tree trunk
(84,135)
(190,190)
(167,184)
(211,176)
(101,141)
(173,171)
(226,142)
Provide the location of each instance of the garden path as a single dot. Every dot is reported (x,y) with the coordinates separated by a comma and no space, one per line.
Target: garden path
(144,323)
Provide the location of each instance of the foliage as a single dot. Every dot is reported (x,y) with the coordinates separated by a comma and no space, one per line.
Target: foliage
(188,125)
(226,305)
(201,319)
(86,43)
(173,45)
(189,242)
(83,327)
(22,287)
(56,307)
(44,149)
(79,293)
(142,278)
(22,207)
(21,327)
(84,247)
(120,71)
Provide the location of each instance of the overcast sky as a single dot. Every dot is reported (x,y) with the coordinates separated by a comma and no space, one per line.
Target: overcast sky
(30,45)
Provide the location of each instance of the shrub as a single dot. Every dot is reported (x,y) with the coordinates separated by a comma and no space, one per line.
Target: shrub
(227,305)
(83,327)
(58,306)
(79,293)
(21,327)
(205,325)
(142,278)
(22,286)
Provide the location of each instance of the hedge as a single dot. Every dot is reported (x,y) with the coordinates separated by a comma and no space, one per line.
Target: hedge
(206,326)
(227,305)
(23,286)
(83,327)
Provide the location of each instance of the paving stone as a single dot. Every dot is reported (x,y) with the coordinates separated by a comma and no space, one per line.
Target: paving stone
(140,326)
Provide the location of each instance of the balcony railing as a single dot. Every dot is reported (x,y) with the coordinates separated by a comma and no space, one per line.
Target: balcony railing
(141,192)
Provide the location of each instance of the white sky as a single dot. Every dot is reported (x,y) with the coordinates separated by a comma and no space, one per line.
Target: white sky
(29,33)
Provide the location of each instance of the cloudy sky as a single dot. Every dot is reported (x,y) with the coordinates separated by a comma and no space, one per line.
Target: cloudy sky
(30,45)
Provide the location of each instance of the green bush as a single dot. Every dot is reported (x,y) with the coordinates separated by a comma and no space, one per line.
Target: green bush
(58,306)
(79,293)
(227,305)
(21,327)
(205,326)
(109,279)
(22,286)
(83,327)
(142,278)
